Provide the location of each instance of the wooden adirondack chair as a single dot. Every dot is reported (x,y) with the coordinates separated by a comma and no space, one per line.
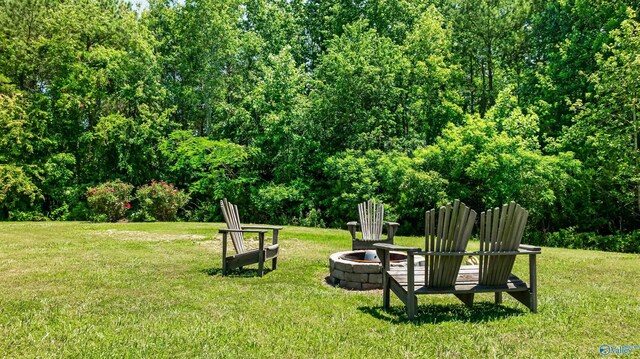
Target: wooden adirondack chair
(371,223)
(243,255)
(501,232)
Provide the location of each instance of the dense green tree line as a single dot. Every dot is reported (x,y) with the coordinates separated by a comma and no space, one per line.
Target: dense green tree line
(299,109)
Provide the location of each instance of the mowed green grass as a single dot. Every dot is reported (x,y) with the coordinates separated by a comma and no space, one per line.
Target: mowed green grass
(155,290)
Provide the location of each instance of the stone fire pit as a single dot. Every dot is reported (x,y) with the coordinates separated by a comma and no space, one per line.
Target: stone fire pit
(360,269)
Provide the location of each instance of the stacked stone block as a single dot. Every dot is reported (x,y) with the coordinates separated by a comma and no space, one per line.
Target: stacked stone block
(355,275)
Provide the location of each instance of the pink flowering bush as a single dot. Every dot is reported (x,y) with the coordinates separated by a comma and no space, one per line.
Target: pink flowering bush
(110,201)
(161,201)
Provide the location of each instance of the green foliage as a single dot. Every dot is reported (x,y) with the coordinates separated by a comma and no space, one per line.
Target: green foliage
(278,203)
(419,190)
(278,108)
(360,91)
(58,187)
(210,169)
(607,129)
(488,37)
(569,238)
(353,179)
(313,219)
(127,147)
(297,110)
(563,38)
(198,41)
(110,201)
(16,141)
(17,190)
(160,201)
(394,178)
(432,99)
(25,216)
(485,167)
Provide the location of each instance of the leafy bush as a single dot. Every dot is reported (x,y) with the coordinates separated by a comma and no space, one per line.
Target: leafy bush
(569,238)
(18,192)
(109,201)
(160,201)
(313,219)
(485,162)
(278,203)
(22,216)
(210,170)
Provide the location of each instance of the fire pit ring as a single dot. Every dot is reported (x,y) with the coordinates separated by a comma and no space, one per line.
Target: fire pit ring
(361,269)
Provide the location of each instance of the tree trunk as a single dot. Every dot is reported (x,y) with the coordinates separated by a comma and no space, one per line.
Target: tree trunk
(483,99)
(635,150)
(472,91)
(490,72)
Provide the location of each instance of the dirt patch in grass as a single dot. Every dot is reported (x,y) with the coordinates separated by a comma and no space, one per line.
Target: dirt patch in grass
(214,245)
(145,236)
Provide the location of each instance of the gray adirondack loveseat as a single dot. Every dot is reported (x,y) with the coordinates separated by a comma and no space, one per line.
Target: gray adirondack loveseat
(447,234)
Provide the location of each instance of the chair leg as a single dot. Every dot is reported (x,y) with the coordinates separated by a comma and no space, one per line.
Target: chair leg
(466,298)
(412,300)
(533,301)
(274,263)
(261,263)
(412,306)
(386,292)
(533,283)
(224,254)
(525,298)
(498,297)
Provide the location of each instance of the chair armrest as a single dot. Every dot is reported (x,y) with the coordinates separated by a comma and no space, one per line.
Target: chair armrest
(393,247)
(260,232)
(227,230)
(530,248)
(351,226)
(263,227)
(391,231)
(477,253)
(384,253)
(275,230)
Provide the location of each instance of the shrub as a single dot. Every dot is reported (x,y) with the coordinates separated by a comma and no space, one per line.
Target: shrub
(21,216)
(569,238)
(277,203)
(18,193)
(109,201)
(313,219)
(160,201)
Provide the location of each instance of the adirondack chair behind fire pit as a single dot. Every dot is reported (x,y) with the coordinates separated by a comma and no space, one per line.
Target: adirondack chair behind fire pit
(371,223)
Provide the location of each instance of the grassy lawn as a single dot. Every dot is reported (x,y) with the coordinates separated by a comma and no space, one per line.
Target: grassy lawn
(155,290)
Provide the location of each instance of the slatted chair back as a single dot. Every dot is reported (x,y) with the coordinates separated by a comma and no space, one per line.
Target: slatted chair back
(371,220)
(449,232)
(501,230)
(232,218)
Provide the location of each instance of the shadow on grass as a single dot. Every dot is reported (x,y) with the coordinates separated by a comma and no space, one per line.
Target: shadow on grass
(235,273)
(434,314)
